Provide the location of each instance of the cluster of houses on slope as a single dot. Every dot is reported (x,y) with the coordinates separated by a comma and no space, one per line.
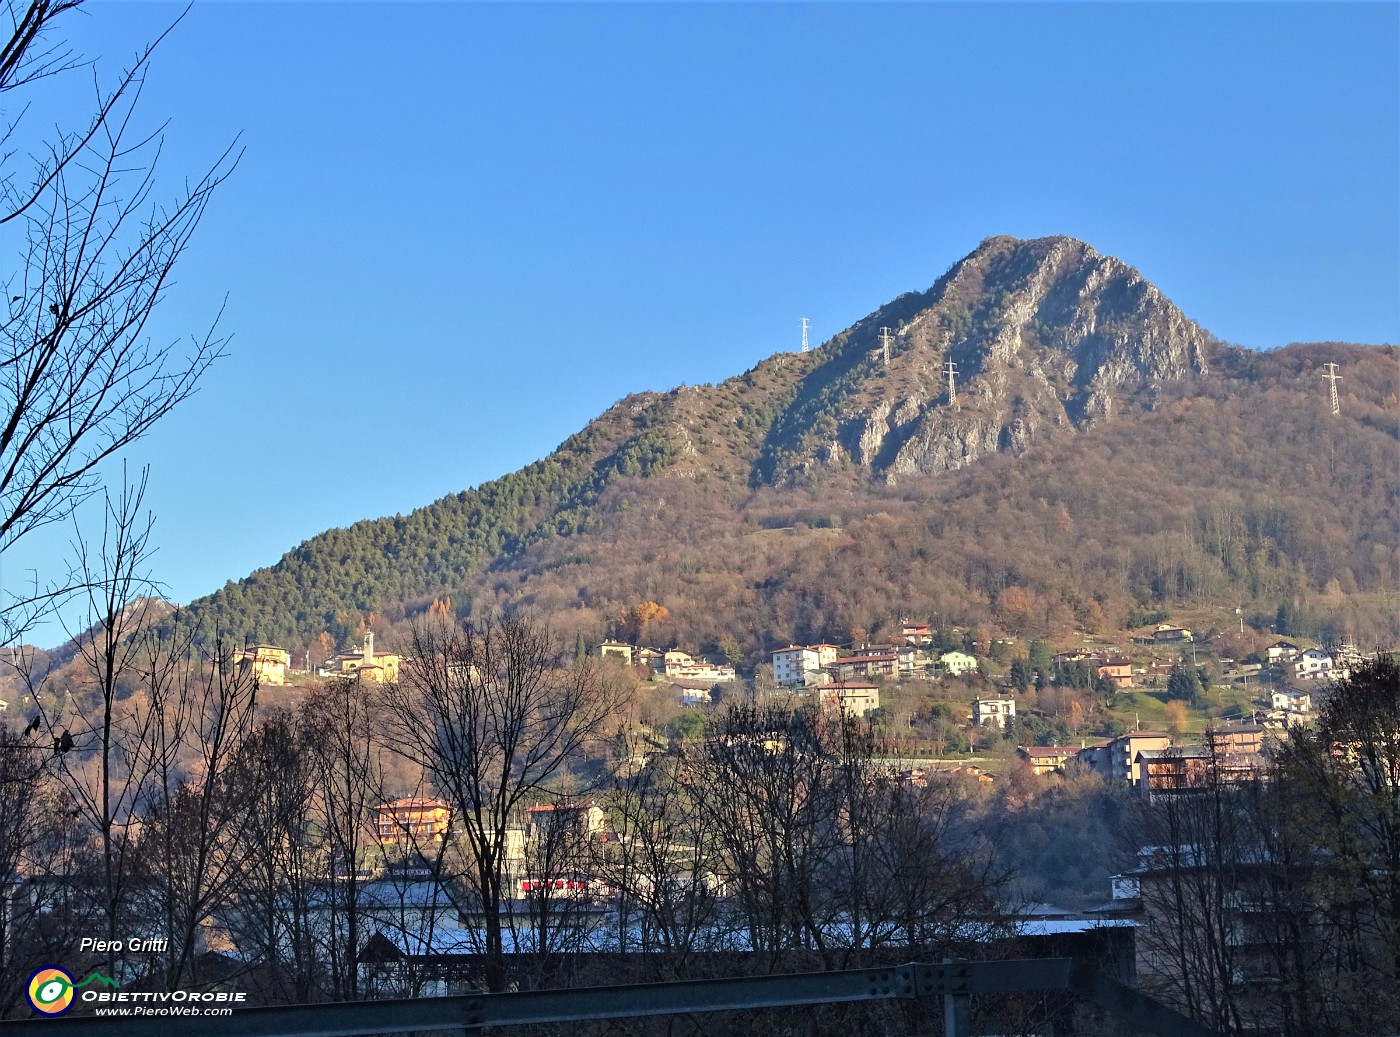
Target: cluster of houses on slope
(269,663)
(807,665)
(834,685)
(1148,761)
(675,664)
(1312,664)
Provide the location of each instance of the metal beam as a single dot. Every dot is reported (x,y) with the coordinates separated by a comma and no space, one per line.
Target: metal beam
(1133,1005)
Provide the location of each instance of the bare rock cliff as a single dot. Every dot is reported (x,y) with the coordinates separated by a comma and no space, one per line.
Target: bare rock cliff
(1041,337)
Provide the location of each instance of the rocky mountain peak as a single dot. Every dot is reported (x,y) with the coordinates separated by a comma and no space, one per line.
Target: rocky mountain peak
(1039,336)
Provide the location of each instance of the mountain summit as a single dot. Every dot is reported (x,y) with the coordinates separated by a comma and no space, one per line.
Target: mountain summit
(1039,336)
(1049,345)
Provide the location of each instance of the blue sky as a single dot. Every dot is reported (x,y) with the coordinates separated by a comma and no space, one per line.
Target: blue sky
(459,231)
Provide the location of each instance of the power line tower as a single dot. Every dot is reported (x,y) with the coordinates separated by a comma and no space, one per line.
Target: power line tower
(1332,379)
(805,325)
(885,344)
(951,370)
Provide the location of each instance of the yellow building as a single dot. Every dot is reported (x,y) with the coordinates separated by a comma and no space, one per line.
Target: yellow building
(268,663)
(379,667)
(411,820)
(617,650)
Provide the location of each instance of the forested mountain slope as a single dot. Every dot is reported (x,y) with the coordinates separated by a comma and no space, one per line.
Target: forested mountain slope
(1101,451)
(1241,490)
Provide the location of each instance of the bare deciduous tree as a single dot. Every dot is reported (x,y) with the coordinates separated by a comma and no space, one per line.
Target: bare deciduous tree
(104,753)
(343,738)
(272,915)
(494,719)
(93,246)
(194,847)
(820,847)
(661,865)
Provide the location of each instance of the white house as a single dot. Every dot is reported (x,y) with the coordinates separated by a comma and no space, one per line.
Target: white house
(683,666)
(791,664)
(993,712)
(1292,701)
(1314,664)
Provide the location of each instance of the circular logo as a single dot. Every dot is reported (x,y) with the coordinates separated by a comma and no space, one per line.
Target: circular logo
(51,990)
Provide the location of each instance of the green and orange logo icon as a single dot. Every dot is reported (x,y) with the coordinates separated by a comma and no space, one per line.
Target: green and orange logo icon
(51,990)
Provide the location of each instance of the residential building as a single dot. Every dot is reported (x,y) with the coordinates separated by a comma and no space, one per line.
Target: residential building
(582,819)
(1046,759)
(268,663)
(1174,769)
(917,633)
(413,820)
(854,698)
(1119,670)
(956,663)
(697,694)
(1166,634)
(913,660)
(616,650)
(1116,759)
(1095,756)
(675,657)
(792,664)
(854,667)
(681,666)
(1124,749)
(993,712)
(1282,651)
(1313,664)
(1236,738)
(1292,701)
(1346,658)
(1187,768)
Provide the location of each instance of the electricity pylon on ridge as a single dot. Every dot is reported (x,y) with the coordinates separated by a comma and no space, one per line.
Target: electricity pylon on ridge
(1332,379)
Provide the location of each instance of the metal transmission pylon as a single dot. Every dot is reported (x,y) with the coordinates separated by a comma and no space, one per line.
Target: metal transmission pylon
(805,325)
(1332,379)
(885,344)
(951,370)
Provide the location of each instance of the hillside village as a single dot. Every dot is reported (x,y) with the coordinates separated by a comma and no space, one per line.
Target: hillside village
(993,696)
(1021,647)
(567,862)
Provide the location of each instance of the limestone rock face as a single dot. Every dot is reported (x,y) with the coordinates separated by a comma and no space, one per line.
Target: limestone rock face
(1041,337)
